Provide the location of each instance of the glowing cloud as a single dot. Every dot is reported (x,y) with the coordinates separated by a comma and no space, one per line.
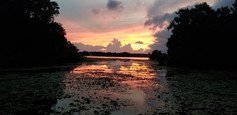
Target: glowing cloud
(97,23)
(114,46)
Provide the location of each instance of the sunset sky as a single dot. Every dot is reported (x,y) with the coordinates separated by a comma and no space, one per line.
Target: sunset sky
(135,26)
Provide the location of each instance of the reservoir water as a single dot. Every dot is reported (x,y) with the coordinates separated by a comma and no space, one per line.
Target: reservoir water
(117,86)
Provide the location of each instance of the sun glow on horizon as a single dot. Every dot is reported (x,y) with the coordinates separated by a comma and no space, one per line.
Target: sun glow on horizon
(126,36)
(94,25)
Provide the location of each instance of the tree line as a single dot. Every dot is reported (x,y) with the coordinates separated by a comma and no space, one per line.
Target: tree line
(121,54)
(203,37)
(29,35)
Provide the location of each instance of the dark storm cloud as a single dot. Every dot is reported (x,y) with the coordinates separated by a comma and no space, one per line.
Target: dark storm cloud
(158,21)
(221,3)
(114,5)
(163,35)
(162,38)
(158,15)
(160,7)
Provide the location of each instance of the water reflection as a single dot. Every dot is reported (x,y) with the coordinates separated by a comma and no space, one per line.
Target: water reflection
(113,87)
(117,87)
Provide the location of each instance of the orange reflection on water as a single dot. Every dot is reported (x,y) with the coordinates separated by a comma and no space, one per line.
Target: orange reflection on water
(91,69)
(142,75)
(134,74)
(131,83)
(138,69)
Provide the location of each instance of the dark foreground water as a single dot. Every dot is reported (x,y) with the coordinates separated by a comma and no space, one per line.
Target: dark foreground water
(117,87)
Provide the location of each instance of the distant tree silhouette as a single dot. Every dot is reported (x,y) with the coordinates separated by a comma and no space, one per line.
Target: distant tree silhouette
(155,55)
(29,34)
(203,37)
(121,54)
(159,56)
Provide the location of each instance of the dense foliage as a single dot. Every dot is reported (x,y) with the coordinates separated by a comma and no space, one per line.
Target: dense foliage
(203,37)
(29,34)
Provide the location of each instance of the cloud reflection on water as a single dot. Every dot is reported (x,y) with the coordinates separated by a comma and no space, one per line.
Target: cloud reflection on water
(114,86)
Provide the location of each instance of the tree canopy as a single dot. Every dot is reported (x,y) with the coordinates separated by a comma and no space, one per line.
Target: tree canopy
(29,34)
(203,37)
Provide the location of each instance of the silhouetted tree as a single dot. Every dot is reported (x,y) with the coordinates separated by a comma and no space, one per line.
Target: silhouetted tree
(155,55)
(203,37)
(159,56)
(29,34)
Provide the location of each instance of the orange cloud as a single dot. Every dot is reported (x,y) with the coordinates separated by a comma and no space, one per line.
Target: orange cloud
(98,23)
(129,35)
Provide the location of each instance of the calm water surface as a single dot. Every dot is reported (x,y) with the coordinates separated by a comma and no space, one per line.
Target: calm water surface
(113,87)
(120,58)
(117,87)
